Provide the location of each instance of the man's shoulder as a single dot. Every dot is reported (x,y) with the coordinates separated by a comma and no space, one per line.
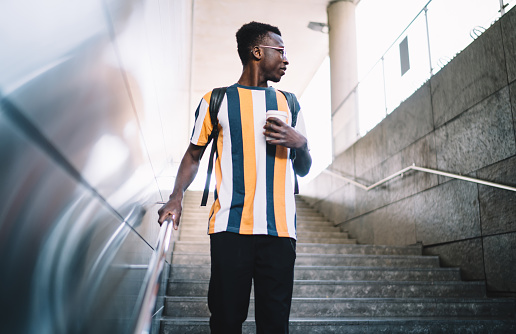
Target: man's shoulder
(288,94)
(207,95)
(291,99)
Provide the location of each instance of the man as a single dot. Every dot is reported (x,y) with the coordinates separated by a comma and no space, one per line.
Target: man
(252,221)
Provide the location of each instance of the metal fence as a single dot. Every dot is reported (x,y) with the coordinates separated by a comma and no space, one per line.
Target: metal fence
(436,34)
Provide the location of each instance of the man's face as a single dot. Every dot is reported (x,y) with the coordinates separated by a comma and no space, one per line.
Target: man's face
(274,62)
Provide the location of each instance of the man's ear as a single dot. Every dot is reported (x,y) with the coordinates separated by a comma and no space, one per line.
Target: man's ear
(257,53)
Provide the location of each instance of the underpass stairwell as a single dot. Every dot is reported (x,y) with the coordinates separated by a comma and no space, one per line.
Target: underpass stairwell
(340,286)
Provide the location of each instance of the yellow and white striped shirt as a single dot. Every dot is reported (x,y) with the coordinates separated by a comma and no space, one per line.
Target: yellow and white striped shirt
(255,188)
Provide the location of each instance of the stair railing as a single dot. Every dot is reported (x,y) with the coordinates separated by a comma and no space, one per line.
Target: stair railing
(421,169)
(152,277)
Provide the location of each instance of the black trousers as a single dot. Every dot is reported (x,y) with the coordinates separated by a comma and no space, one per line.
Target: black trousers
(237,260)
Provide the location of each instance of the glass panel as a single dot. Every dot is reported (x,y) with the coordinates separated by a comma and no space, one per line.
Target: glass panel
(70,86)
(400,87)
(69,263)
(371,99)
(452,25)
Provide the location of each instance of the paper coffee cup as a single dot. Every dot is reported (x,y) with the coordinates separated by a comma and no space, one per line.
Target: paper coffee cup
(280,114)
(277,113)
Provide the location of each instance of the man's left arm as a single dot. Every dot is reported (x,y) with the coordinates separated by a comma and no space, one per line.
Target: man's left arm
(303,161)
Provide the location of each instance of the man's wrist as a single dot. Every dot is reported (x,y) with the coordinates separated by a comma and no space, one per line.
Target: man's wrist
(303,146)
(176,195)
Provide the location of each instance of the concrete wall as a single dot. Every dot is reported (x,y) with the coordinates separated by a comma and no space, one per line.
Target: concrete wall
(461,121)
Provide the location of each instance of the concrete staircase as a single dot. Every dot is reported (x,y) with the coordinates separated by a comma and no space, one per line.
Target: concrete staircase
(340,286)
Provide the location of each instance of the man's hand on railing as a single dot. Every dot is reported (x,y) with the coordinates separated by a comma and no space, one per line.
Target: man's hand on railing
(171,210)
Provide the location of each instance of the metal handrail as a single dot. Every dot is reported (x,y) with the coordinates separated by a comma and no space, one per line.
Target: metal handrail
(421,169)
(144,314)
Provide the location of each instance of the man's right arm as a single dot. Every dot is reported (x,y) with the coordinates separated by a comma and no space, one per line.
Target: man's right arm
(185,175)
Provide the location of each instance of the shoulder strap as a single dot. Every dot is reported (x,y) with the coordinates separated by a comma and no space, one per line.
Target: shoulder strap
(217,95)
(293,105)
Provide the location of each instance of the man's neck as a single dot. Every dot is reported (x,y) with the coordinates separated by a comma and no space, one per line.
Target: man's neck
(251,78)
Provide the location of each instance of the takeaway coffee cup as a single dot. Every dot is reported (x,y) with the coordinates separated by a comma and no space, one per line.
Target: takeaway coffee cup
(282,115)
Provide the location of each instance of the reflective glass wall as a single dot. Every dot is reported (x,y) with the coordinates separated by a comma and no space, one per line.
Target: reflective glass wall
(87,91)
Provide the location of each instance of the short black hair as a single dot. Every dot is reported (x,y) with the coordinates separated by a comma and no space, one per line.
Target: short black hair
(250,35)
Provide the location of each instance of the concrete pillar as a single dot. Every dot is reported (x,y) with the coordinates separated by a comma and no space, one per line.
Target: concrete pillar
(344,73)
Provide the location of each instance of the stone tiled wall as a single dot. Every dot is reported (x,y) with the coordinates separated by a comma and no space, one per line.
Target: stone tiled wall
(461,121)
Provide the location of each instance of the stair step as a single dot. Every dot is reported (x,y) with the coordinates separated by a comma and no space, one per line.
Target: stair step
(323,223)
(352,289)
(302,211)
(193,217)
(358,249)
(367,260)
(202,220)
(307,228)
(194,205)
(363,307)
(315,218)
(201,237)
(376,273)
(358,325)
(192,247)
(315,240)
(204,247)
(201,230)
(308,213)
(400,261)
(339,273)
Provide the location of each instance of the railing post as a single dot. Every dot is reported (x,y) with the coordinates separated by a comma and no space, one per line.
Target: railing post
(357,112)
(428,41)
(502,8)
(384,86)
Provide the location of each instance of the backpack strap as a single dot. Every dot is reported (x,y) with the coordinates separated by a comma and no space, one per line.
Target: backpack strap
(293,105)
(217,95)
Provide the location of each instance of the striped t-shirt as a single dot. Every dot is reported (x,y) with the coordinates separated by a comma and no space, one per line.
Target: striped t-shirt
(254,180)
